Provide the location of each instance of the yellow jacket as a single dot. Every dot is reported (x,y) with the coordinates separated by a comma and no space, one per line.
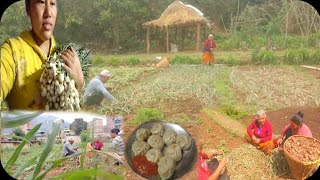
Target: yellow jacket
(21,68)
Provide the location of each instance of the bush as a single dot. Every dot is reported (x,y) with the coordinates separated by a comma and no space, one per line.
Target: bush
(147,114)
(297,57)
(134,61)
(264,57)
(183,59)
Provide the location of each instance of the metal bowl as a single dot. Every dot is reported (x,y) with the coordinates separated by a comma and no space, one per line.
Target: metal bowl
(182,166)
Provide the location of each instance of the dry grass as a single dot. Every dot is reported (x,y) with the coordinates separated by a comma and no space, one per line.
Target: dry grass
(271,87)
(246,162)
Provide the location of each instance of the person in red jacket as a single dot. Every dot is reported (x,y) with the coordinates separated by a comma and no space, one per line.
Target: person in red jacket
(97,144)
(259,133)
(207,51)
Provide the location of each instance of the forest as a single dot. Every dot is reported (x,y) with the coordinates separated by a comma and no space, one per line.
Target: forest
(116,26)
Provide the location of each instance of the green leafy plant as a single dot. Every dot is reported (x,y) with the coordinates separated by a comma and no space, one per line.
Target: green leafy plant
(264,57)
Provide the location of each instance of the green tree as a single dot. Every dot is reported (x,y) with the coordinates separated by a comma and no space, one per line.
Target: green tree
(78,125)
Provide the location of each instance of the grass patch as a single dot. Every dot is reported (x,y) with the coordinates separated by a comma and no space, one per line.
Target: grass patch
(234,112)
(184,59)
(297,57)
(146,115)
(133,61)
(264,57)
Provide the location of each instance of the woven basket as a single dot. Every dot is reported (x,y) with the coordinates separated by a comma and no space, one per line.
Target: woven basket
(299,169)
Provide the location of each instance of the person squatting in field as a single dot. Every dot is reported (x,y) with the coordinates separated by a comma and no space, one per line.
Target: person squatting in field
(67,148)
(22,58)
(259,133)
(207,51)
(295,127)
(96,91)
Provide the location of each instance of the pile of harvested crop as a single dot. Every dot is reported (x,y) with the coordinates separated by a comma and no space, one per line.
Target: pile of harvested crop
(303,149)
(57,87)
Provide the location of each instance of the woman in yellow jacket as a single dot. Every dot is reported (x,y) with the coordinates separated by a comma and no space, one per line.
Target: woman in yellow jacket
(22,58)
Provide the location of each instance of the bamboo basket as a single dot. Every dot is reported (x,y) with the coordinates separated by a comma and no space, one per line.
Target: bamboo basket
(299,169)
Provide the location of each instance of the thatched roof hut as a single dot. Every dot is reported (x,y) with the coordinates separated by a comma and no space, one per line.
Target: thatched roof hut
(177,14)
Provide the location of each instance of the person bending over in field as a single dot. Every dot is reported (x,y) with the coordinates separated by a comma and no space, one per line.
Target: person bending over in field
(212,169)
(22,58)
(67,148)
(96,91)
(259,133)
(295,127)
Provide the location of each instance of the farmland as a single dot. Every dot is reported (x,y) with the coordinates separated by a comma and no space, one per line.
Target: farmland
(215,103)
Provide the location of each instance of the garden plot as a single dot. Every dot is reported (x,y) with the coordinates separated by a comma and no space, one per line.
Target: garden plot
(271,87)
(175,84)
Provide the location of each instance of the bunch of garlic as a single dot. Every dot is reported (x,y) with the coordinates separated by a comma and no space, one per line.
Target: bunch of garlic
(57,87)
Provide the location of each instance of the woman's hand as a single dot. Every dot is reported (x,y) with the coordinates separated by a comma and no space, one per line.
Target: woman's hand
(73,66)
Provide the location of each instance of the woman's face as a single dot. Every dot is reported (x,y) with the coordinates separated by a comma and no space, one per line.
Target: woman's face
(261,118)
(43,15)
(294,126)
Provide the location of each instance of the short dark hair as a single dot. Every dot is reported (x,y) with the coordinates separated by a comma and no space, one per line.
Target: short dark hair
(115,130)
(298,118)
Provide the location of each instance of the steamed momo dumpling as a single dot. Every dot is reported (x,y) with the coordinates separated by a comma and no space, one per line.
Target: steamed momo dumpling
(140,147)
(169,137)
(184,141)
(173,151)
(157,129)
(142,134)
(166,167)
(156,141)
(153,155)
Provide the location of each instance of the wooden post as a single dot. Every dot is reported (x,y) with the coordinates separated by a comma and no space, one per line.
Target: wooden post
(148,39)
(167,38)
(198,37)
(182,38)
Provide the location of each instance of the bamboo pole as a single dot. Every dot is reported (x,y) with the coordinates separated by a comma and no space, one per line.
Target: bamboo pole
(198,36)
(148,40)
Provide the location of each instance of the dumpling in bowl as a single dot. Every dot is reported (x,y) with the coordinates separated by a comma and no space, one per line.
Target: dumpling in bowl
(169,137)
(173,151)
(157,129)
(166,167)
(140,147)
(153,155)
(142,134)
(184,141)
(156,141)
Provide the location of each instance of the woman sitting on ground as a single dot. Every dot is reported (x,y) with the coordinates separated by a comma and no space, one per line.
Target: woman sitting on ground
(259,133)
(212,169)
(295,127)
